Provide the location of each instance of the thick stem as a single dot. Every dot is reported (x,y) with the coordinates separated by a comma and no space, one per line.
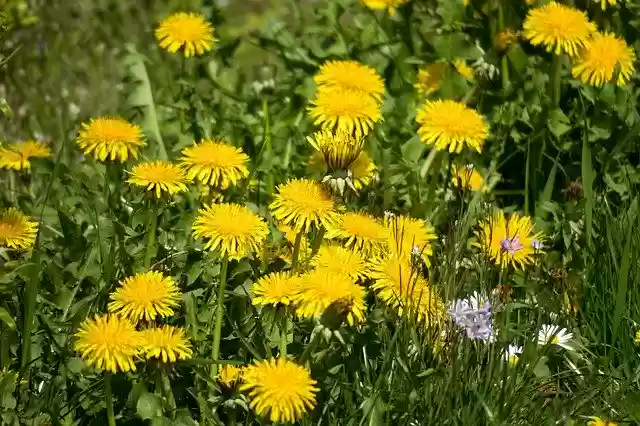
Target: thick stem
(12,187)
(504,65)
(317,241)
(310,348)
(217,331)
(31,298)
(109,399)
(151,235)
(296,252)
(167,392)
(555,80)
(283,335)
(427,163)
(267,126)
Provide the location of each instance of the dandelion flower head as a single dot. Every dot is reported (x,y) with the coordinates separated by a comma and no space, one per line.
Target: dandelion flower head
(360,231)
(505,39)
(158,177)
(276,288)
(229,375)
(16,156)
(430,77)
(339,260)
(597,421)
(451,125)
(363,170)
(279,389)
(606,3)
(406,235)
(145,296)
(467,177)
(215,163)
(17,231)
(351,75)
(231,229)
(463,69)
(188,31)
(339,150)
(165,342)
(110,137)
(389,5)
(597,60)
(109,342)
(560,28)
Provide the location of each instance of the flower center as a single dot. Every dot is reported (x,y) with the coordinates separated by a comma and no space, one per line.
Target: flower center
(555,340)
(7,231)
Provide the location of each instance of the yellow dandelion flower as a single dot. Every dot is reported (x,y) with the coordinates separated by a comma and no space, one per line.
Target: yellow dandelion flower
(17,231)
(159,176)
(407,235)
(339,260)
(605,3)
(451,125)
(347,110)
(321,288)
(463,69)
(303,204)
(338,150)
(597,421)
(290,235)
(232,229)
(277,288)
(430,77)
(402,288)
(145,296)
(110,137)
(389,5)
(215,163)
(165,342)
(351,75)
(363,171)
(596,63)
(505,39)
(361,232)
(229,375)
(188,31)
(509,241)
(108,342)
(280,389)
(468,177)
(16,156)
(560,28)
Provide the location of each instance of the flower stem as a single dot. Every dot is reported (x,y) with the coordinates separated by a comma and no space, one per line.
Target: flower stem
(317,241)
(504,65)
(296,252)
(427,163)
(151,235)
(217,331)
(310,348)
(283,335)
(555,80)
(109,399)
(167,392)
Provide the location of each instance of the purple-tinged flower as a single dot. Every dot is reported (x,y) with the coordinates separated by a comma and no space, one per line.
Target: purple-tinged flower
(537,245)
(511,245)
(474,318)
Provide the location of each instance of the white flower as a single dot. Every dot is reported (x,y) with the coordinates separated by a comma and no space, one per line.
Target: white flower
(512,354)
(554,335)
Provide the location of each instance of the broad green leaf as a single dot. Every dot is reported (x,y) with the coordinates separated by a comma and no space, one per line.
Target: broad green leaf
(149,406)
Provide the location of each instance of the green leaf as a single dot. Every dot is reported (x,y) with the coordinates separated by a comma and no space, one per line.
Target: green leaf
(6,318)
(587,181)
(558,123)
(547,192)
(149,406)
(623,280)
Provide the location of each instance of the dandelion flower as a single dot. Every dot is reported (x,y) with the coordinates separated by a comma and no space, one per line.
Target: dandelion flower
(322,288)
(229,375)
(17,231)
(400,287)
(232,229)
(215,163)
(351,75)
(407,235)
(554,335)
(109,342)
(363,171)
(277,288)
(280,389)
(361,232)
(145,296)
(463,69)
(430,77)
(512,354)
(303,204)
(189,31)
(338,109)
(505,39)
(159,176)
(16,156)
(597,421)
(339,260)
(338,150)
(509,241)
(110,137)
(389,5)
(596,62)
(468,178)
(451,125)
(560,28)
(165,342)
(605,3)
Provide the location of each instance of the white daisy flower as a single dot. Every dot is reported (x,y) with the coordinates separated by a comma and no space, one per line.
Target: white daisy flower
(512,354)
(554,335)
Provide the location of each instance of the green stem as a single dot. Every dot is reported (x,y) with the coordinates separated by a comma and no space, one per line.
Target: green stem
(267,126)
(317,241)
(283,335)
(310,348)
(427,163)
(527,168)
(217,331)
(31,297)
(109,399)
(151,235)
(555,80)
(12,187)
(296,252)
(167,392)
(504,65)
(4,346)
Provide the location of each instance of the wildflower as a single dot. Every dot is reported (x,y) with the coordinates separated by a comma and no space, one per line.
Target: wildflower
(16,156)
(232,229)
(189,31)
(597,421)
(347,110)
(165,342)
(280,389)
(277,288)
(351,75)
(109,342)
(474,315)
(339,260)
(159,176)
(110,137)
(17,231)
(321,288)
(215,163)
(303,204)
(469,178)
(451,125)
(361,232)
(404,233)
(597,61)
(290,235)
(361,173)
(505,39)
(605,3)
(430,77)
(512,354)
(637,339)
(389,5)
(509,241)
(145,296)
(560,28)
(229,375)
(338,150)
(554,335)
(463,69)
